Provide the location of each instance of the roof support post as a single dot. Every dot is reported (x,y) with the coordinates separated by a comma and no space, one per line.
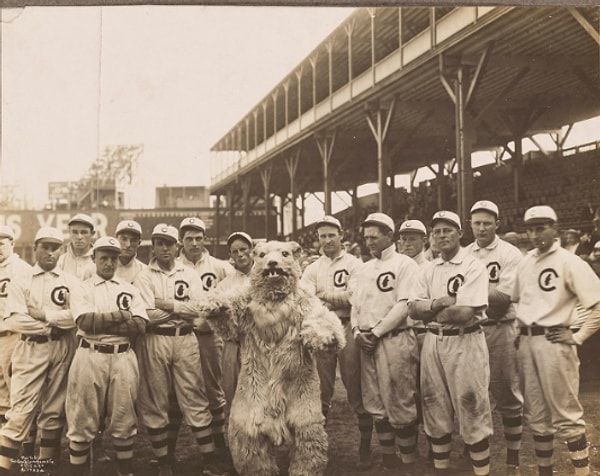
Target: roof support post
(464,128)
(349,28)
(264,108)
(313,63)
(372,13)
(274,96)
(255,114)
(378,117)
(230,205)
(282,200)
(329,47)
(590,29)
(265,176)
(291,163)
(299,79)
(217,224)
(286,90)
(325,143)
(245,183)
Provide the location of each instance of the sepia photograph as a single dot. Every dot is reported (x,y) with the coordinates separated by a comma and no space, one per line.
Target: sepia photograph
(339,239)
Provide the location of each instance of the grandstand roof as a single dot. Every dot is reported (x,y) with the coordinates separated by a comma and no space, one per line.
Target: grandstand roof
(538,70)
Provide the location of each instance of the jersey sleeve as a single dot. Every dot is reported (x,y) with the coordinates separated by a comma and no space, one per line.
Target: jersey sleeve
(509,271)
(474,290)
(583,282)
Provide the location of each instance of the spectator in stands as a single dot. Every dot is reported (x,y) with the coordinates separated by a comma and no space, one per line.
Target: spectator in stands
(572,241)
(356,250)
(595,258)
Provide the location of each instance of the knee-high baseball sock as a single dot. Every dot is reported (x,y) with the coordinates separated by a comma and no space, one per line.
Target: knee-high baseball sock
(440,447)
(50,444)
(79,453)
(480,457)
(9,451)
(385,434)
(204,438)
(175,418)
(29,443)
(365,427)
(124,452)
(578,451)
(544,449)
(217,426)
(407,442)
(513,432)
(158,439)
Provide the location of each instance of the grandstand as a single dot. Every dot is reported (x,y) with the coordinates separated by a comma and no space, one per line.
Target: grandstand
(394,90)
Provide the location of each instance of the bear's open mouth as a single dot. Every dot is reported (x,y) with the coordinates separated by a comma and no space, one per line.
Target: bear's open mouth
(273,273)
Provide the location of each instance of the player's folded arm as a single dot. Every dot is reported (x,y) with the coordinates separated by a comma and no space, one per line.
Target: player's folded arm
(100,322)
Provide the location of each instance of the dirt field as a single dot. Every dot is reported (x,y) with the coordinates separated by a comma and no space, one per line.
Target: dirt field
(343,443)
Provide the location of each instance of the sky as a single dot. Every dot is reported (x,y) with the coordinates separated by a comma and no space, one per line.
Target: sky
(173,78)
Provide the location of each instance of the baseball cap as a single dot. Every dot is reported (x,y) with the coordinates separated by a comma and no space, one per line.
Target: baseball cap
(539,213)
(412,226)
(239,235)
(597,245)
(107,243)
(329,220)
(448,216)
(487,206)
(192,222)
(7,232)
(380,219)
(82,218)
(163,230)
(49,233)
(129,225)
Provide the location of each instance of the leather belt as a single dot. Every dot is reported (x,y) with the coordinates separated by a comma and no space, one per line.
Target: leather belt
(5,333)
(105,348)
(204,333)
(420,330)
(454,332)
(38,339)
(171,331)
(537,330)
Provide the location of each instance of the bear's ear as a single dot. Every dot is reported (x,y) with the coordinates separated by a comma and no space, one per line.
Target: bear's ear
(258,249)
(296,250)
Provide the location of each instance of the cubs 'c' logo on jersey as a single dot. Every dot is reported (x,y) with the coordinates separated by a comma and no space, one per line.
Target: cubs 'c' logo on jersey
(340,277)
(385,282)
(4,287)
(60,295)
(494,271)
(546,279)
(124,301)
(209,280)
(181,290)
(454,284)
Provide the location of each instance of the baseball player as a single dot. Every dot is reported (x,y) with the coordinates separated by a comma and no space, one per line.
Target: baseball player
(389,355)
(39,309)
(129,234)
(77,260)
(240,247)
(328,278)
(11,266)
(104,372)
(450,295)
(192,232)
(550,282)
(168,353)
(501,260)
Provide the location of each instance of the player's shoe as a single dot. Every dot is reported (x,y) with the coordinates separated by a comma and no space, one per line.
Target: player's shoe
(213,469)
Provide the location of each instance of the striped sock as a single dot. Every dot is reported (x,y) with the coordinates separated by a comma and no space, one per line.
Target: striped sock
(385,434)
(79,453)
(175,419)
(544,448)
(407,442)
(29,443)
(158,439)
(124,452)
(441,451)
(578,451)
(513,432)
(217,426)
(9,451)
(480,457)
(204,438)
(50,444)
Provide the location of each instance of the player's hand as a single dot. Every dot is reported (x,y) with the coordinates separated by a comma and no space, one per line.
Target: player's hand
(36,313)
(560,335)
(367,341)
(164,304)
(444,302)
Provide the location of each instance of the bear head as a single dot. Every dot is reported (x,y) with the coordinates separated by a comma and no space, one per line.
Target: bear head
(276,269)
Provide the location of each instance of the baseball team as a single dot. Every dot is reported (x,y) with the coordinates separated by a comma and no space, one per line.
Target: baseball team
(94,343)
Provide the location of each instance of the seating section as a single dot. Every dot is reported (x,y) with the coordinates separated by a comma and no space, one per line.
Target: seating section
(568,182)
